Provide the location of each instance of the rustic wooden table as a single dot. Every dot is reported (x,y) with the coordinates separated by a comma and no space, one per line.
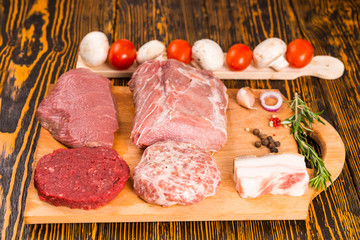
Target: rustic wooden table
(39,41)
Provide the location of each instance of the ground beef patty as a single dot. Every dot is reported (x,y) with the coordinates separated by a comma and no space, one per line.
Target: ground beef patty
(176,173)
(81,178)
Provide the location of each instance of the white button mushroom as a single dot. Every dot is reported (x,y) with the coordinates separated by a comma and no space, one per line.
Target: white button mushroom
(150,50)
(270,53)
(208,54)
(94,48)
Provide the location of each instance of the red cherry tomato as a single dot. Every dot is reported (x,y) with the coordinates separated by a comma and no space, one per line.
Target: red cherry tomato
(299,53)
(122,54)
(239,57)
(180,50)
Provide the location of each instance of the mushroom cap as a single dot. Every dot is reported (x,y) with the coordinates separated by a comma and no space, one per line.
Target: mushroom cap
(208,54)
(150,50)
(268,51)
(94,48)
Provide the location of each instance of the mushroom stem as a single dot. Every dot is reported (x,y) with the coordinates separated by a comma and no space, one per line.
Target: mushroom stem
(279,63)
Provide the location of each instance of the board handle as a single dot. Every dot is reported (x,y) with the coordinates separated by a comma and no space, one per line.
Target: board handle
(332,149)
(324,67)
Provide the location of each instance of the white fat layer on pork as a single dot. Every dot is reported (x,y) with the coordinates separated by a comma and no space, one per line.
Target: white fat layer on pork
(255,176)
(216,120)
(139,124)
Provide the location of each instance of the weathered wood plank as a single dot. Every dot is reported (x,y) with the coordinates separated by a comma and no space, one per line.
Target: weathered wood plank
(39,41)
(263,19)
(142,21)
(333,26)
(334,214)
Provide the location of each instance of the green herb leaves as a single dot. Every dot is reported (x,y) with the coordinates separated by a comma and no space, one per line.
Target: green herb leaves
(301,123)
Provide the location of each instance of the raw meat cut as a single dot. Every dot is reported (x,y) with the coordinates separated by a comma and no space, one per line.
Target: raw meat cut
(176,173)
(81,177)
(174,101)
(271,174)
(80,110)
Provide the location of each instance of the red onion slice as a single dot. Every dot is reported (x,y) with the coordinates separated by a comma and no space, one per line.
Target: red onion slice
(276,95)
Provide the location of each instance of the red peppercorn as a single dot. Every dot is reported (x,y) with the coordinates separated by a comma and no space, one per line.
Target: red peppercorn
(276,122)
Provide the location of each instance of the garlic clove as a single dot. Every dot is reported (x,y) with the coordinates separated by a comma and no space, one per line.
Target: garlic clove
(246,98)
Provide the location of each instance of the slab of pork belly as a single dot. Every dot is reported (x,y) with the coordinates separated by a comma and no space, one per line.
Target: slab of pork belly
(271,174)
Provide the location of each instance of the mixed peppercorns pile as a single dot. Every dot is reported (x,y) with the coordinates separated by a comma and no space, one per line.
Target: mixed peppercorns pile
(267,141)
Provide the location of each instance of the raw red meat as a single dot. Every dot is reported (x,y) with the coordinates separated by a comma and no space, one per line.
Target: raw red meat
(80,110)
(174,101)
(176,173)
(81,178)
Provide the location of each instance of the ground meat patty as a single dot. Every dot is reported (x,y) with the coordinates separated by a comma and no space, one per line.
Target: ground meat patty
(81,178)
(176,173)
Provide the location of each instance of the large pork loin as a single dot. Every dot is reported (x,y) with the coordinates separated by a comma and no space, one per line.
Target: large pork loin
(283,174)
(174,101)
(176,173)
(80,111)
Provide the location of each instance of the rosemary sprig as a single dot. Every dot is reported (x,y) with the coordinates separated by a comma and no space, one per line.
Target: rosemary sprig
(301,123)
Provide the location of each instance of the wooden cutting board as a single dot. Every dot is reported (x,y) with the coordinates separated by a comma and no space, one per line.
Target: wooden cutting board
(324,67)
(226,204)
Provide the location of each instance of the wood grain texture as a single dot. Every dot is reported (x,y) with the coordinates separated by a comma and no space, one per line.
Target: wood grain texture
(278,19)
(333,28)
(40,54)
(38,38)
(338,34)
(128,207)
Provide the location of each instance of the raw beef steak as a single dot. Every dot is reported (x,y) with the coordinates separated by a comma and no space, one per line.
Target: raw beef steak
(80,110)
(271,174)
(176,173)
(81,178)
(174,101)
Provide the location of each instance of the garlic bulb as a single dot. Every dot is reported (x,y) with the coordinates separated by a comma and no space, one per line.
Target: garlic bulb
(246,98)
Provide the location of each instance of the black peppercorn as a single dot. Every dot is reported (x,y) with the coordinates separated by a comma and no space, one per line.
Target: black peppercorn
(256,131)
(262,136)
(257,144)
(269,138)
(274,150)
(265,142)
(277,144)
(271,145)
